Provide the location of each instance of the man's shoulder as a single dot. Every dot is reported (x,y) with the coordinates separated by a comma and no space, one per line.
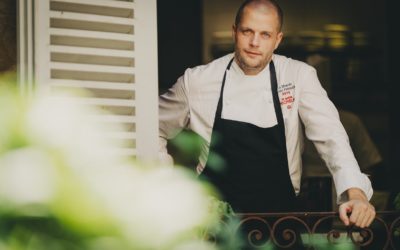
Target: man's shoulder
(283,63)
(213,69)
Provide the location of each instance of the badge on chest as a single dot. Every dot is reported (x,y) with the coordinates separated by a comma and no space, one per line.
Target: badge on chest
(286,93)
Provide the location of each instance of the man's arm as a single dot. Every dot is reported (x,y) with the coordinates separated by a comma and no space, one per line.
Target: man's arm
(324,129)
(362,212)
(173,116)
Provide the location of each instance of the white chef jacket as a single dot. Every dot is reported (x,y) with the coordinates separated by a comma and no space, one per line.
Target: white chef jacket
(192,102)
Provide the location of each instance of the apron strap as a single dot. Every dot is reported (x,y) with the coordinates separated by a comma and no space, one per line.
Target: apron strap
(274,87)
(277,104)
(220,100)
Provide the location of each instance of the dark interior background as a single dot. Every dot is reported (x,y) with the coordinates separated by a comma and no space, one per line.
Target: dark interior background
(8,35)
(362,72)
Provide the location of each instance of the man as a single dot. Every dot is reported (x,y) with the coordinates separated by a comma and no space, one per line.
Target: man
(248,107)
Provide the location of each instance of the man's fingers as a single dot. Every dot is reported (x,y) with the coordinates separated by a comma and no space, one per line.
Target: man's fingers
(365,219)
(372,216)
(362,215)
(368,218)
(343,209)
(355,217)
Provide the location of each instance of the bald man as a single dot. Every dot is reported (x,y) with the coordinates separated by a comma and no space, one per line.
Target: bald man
(249,107)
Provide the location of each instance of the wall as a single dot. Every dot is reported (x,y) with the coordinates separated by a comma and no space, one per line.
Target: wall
(8,37)
(305,15)
(179,38)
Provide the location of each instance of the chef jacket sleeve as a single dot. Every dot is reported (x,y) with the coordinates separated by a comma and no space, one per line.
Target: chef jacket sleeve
(323,127)
(173,115)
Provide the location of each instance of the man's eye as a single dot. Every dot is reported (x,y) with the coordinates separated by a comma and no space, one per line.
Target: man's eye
(266,35)
(246,32)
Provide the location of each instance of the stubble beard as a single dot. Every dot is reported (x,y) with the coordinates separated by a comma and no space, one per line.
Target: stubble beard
(247,67)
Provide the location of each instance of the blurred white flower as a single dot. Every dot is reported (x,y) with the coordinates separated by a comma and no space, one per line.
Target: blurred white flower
(64,122)
(155,206)
(26,177)
(196,245)
(65,164)
(168,204)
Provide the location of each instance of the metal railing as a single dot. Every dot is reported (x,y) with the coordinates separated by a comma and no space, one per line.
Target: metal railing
(313,230)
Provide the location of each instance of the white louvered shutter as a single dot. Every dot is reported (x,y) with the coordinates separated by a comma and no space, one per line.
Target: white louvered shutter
(109,48)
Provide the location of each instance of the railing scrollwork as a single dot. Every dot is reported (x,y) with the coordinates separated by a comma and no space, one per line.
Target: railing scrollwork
(315,230)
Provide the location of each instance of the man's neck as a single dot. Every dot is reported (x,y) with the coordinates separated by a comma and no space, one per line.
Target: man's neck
(250,71)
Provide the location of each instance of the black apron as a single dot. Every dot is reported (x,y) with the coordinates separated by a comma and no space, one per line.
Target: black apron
(255,177)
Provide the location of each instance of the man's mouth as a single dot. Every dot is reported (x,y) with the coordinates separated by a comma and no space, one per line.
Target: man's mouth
(252,53)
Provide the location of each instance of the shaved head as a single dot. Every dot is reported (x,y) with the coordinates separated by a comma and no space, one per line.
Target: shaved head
(262,5)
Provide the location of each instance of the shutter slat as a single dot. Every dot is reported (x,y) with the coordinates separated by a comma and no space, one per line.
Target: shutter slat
(73,54)
(92,34)
(84,21)
(125,151)
(91,51)
(91,68)
(114,118)
(90,18)
(104,3)
(91,76)
(93,84)
(106,102)
(122,135)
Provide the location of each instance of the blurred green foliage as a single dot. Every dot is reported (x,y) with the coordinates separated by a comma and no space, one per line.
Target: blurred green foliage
(60,189)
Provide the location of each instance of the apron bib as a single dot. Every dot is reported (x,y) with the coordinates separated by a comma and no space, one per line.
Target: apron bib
(256,173)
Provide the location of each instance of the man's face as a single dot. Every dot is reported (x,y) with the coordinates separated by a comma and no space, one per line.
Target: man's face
(256,38)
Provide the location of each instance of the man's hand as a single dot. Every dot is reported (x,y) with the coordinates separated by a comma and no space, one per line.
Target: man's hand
(362,212)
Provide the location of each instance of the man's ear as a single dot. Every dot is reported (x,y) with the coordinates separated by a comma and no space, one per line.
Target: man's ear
(279,39)
(234,32)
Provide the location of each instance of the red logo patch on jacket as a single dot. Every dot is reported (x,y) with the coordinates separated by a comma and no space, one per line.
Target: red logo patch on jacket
(286,94)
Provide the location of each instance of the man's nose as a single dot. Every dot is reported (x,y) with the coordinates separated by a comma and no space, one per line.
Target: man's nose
(255,40)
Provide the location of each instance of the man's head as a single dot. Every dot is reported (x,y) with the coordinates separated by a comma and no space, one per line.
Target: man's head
(271,3)
(257,33)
